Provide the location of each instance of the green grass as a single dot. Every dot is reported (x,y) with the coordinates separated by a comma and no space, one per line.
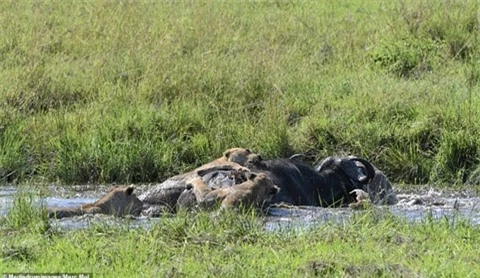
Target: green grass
(136,91)
(236,245)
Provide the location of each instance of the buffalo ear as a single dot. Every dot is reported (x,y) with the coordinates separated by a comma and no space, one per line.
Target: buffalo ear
(129,191)
(250,175)
(352,171)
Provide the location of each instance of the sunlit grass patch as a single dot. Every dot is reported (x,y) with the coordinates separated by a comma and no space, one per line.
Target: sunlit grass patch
(140,91)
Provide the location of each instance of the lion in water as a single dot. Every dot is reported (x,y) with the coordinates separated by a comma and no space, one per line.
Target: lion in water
(167,193)
(232,159)
(119,201)
(256,191)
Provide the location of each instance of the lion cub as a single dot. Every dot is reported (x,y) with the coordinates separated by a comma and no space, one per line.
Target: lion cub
(257,190)
(232,159)
(118,201)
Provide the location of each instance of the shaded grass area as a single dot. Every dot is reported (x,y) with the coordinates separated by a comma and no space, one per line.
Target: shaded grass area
(230,244)
(136,91)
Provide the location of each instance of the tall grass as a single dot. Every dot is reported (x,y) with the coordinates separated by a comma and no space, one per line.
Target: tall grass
(26,215)
(136,91)
(204,244)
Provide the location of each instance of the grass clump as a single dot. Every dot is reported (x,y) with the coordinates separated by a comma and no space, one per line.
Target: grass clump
(405,57)
(205,244)
(426,34)
(139,91)
(26,214)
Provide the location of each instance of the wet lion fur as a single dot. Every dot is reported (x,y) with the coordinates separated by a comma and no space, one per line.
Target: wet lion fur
(232,159)
(257,190)
(119,201)
(168,192)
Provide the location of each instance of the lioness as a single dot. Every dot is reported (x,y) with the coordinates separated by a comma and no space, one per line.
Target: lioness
(232,159)
(118,201)
(257,190)
(168,192)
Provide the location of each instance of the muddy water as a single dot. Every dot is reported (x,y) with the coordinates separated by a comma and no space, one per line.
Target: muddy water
(301,218)
(6,199)
(412,206)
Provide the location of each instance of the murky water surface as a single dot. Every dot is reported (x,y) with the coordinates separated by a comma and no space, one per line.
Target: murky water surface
(6,199)
(413,207)
(302,218)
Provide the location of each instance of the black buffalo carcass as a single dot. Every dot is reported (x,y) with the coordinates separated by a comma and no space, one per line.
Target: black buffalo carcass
(328,185)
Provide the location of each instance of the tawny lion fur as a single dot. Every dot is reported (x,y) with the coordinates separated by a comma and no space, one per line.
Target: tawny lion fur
(119,201)
(257,190)
(168,192)
(232,159)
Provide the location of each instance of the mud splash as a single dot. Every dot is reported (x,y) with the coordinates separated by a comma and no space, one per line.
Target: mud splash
(412,206)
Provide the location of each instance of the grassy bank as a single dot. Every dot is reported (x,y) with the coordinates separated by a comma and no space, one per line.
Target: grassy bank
(136,91)
(233,245)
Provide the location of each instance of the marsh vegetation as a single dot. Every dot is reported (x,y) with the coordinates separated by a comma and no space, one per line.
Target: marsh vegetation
(127,91)
(138,91)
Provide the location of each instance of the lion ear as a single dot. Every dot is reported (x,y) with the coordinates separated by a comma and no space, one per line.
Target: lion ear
(250,175)
(129,190)
(227,153)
